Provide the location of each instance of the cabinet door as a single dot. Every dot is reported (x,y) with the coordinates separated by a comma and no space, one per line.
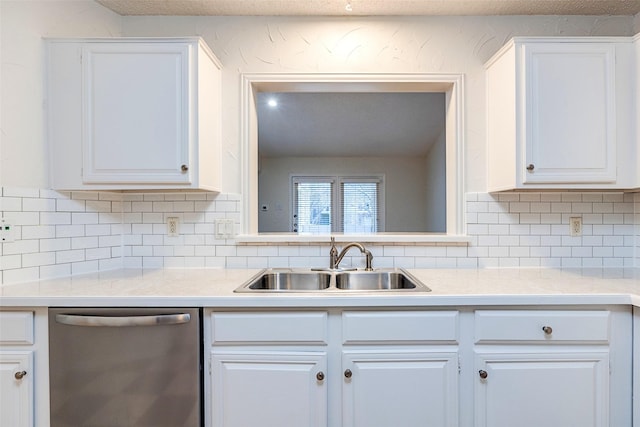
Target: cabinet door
(135,112)
(408,389)
(269,389)
(16,385)
(550,390)
(569,105)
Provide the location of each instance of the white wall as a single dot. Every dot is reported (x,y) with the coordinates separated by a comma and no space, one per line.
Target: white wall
(264,44)
(405,198)
(373,44)
(23,24)
(67,233)
(436,191)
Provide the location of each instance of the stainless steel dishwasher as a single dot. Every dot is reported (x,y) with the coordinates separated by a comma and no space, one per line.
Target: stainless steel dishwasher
(125,367)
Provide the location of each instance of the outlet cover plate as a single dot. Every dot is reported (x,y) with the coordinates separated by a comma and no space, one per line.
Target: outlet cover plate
(224,228)
(173,224)
(6,231)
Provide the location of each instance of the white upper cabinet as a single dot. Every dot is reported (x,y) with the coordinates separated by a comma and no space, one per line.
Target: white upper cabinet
(133,114)
(559,114)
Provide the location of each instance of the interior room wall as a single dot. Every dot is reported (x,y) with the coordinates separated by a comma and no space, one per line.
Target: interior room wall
(366,45)
(23,24)
(66,233)
(436,194)
(405,197)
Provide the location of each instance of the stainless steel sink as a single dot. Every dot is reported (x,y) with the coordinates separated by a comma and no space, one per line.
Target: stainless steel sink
(341,281)
(378,281)
(287,280)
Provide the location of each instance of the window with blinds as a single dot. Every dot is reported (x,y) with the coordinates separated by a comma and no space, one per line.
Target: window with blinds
(313,205)
(339,204)
(359,213)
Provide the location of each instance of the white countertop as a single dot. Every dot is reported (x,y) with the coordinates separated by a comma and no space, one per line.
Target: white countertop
(214,288)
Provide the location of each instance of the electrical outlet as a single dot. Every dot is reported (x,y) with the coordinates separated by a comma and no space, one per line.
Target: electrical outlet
(6,231)
(224,228)
(575,226)
(172,226)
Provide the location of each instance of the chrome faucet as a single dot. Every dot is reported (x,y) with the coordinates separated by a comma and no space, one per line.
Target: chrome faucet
(335,257)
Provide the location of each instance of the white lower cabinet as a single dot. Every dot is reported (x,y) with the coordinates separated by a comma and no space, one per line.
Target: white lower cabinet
(269,388)
(552,389)
(335,368)
(20,357)
(552,368)
(399,368)
(16,388)
(399,388)
(267,369)
(470,367)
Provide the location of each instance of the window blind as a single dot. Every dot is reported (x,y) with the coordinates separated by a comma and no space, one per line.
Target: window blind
(312,206)
(360,205)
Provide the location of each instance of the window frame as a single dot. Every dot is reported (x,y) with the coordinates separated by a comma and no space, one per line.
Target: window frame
(450,84)
(337,208)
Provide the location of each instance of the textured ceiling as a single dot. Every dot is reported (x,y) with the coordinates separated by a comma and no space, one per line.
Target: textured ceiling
(330,124)
(372,7)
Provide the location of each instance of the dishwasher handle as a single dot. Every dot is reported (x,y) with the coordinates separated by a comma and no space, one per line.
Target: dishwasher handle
(123,321)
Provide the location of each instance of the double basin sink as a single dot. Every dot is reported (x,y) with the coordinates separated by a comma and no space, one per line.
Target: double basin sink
(305,280)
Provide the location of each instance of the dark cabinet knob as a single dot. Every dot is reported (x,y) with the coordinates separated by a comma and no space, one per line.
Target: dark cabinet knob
(348,373)
(483,374)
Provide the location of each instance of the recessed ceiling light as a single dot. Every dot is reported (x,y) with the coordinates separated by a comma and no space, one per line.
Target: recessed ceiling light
(273,103)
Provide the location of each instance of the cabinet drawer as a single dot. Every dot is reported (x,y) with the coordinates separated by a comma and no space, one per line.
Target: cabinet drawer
(16,327)
(399,326)
(542,326)
(272,328)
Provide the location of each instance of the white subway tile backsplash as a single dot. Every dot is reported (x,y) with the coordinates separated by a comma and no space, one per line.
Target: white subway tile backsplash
(62,233)
(84,242)
(21,247)
(38,259)
(22,218)
(9,262)
(10,204)
(20,192)
(38,232)
(55,218)
(85,195)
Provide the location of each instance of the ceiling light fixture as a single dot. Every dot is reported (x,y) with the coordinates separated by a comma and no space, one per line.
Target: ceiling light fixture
(272,103)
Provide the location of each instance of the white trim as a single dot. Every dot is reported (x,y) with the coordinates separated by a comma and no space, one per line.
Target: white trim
(451,84)
(409,238)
